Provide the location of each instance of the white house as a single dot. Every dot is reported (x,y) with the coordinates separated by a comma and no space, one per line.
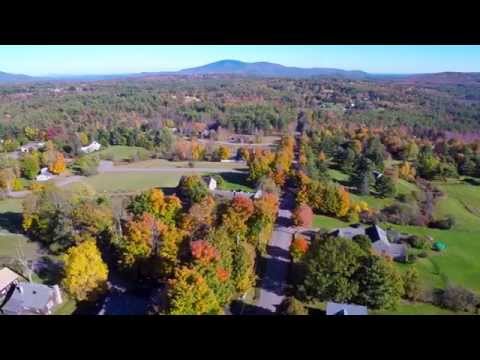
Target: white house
(94,146)
(212,184)
(31,146)
(45,175)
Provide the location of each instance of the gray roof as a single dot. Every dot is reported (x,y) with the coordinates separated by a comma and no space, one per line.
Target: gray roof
(349,232)
(393,250)
(376,233)
(32,297)
(345,309)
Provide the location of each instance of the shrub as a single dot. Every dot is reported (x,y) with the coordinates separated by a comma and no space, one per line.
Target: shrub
(422,254)
(411,284)
(292,306)
(419,242)
(363,241)
(17,185)
(458,298)
(411,258)
(444,224)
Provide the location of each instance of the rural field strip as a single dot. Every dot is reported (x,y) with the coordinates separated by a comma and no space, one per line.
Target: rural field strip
(108,167)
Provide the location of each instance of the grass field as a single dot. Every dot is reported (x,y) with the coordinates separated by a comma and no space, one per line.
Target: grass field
(124,182)
(10,238)
(119,152)
(407,308)
(235,181)
(162,163)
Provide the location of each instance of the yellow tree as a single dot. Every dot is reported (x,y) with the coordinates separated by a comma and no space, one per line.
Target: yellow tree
(58,164)
(85,272)
(406,171)
(344,202)
(223,153)
(189,294)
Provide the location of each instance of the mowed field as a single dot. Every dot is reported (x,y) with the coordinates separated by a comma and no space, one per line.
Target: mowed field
(10,237)
(459,263)
(120,152)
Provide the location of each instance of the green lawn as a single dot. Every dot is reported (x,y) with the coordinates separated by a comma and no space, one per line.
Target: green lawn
(403,187)
(67,307)
(120,152)
(162,163)
(235,181)
(407,308)
(120,182)
(10,238)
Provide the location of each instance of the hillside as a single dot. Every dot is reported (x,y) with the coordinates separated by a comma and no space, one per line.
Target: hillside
(14,78)
(269,70)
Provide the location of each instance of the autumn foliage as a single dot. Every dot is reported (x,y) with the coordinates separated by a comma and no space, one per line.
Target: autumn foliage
(58,164)
(298,248)
(85,272)
(303,216)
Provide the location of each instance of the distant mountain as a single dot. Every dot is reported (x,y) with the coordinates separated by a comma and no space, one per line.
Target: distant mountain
(267,69)
(444,78)
(14,78)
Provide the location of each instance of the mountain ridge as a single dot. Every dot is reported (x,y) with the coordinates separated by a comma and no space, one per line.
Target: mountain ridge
(257,69)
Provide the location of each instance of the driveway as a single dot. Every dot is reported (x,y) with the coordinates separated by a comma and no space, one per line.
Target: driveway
(272,290)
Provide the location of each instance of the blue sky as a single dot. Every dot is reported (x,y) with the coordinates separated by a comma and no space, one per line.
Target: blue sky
(100,59)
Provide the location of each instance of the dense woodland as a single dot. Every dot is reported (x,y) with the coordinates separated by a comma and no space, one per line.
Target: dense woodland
(242,105)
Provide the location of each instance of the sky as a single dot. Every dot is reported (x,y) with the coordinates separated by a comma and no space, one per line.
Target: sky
(40,60)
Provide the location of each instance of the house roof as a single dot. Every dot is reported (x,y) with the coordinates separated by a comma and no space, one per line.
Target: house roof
(349,232)
(29,296)
(345,309)
(376,233)
(7,276)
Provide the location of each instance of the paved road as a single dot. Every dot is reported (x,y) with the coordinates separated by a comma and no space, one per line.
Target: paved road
(277,259)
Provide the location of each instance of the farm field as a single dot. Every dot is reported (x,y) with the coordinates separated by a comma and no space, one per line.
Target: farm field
(162,163)
(119,152)
(123,182)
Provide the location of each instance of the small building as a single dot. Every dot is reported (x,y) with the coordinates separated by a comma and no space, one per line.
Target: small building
(345,309)
(94,146)
(31,146)
(45,175)
(211,182)
(32,299)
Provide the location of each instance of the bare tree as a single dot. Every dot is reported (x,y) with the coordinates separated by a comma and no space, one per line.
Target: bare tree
(26,265)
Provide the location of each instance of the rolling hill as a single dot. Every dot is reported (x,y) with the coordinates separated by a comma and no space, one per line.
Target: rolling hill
(267,69)
(14,78)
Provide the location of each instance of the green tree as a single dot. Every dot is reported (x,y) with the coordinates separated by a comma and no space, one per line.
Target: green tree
(362,177)
(411,284)
(30,165)
(330,266)
(192,189)
(380,283)
(385,187)
(292,306)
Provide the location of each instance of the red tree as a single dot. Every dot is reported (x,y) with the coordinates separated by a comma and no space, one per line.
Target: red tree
(303,216)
